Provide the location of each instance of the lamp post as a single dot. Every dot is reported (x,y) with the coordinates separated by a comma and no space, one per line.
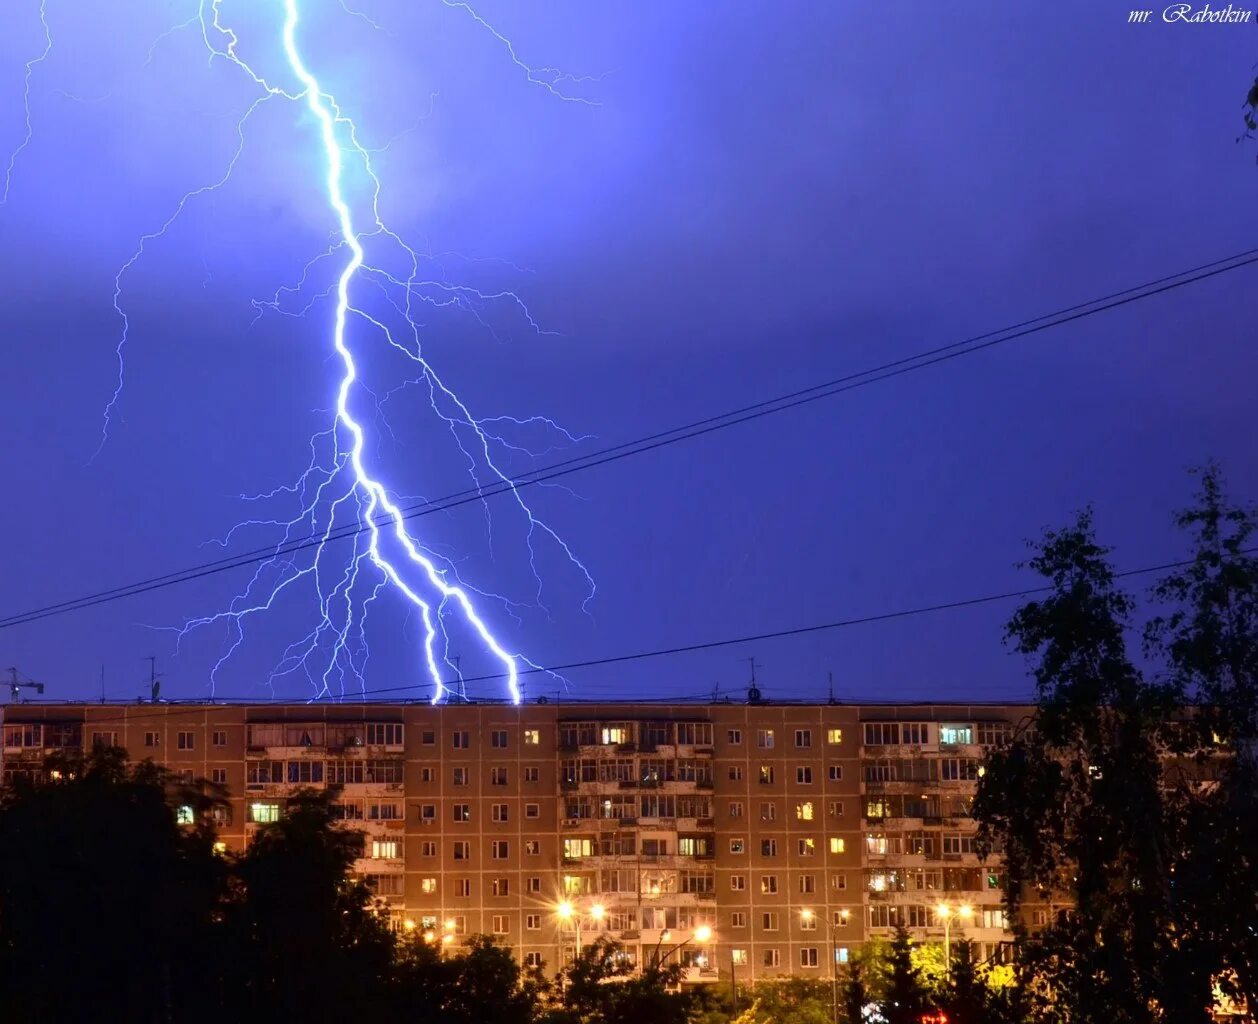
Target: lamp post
(944,913)
(807,915)
(565,911)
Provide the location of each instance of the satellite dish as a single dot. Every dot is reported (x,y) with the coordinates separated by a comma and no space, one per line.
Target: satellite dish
(753,695)
(543,700)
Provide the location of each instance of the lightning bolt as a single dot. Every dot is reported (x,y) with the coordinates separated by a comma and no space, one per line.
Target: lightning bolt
(378,299)
(26,101)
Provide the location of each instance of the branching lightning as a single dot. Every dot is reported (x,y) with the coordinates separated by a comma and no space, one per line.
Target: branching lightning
(375,299)
(26,101)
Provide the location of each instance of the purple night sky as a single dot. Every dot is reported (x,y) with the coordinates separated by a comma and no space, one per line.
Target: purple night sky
(759,197)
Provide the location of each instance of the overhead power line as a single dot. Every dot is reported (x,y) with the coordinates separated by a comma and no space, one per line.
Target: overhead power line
(661,439)
(673,651)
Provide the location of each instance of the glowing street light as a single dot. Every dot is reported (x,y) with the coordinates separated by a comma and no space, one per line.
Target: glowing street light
(945,913)
(703,933)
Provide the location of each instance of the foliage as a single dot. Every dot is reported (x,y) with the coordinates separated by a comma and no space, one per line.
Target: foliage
(906,998)
(1131,797)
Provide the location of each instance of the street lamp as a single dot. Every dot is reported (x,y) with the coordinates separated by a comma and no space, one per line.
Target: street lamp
(807,916)
(945,913)
(566,911)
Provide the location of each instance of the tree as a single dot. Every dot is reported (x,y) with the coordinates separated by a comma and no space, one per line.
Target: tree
(854,997)
(306,936)
(1209,641)
(106,903)
(905,999)
(798,1000)
(598,988)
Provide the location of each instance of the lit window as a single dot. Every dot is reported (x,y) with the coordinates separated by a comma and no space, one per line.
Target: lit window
(184,816)
(807,847)
(264,813)
(834,736)
(532,738)
(737,846)
(956,734)
(766,775)
(385,849)
(738,957)
(764,739)
(803,812)
(428,885)
(838,845)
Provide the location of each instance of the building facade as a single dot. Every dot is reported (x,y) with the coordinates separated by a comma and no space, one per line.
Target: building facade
(759,838)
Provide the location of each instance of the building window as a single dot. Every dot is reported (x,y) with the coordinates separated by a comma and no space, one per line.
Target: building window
(428,813)
(150,739)
(533,922)
(497,776)
(498,739)
(808,921)
(500,849)
(462,886)
(769,921)
(427,774)
(185,741)
(768,811)
(994,917)
(764,739)
(219,738)
(99,740)
(838,881)
(462,741)
(768,884)
(803,811)
(532,847)
(462,849)
(532,738)
(500,887)
(735,773)
(735,737)
(384,734)
(305,771)
(264,814)
(498,812)
(838,845)
(533,959)
(462,812)
(531,774)
(803,738)
(803,775)
(737,883)
(428,886)
(532,810)
(807,847)
(428,738)
(882,734)
(385,849)
(1039,918)
(834,736)
(959,735)
(428,848)
(836,808)
(738,919)
(768,847)
(766,775)
(808,956)
(737,846)
(836,773)
(500,925)
(738,957)
(459,776)
(735,808)
(218,776)
(770,958)
(184,815)
(807,885)
(578,848)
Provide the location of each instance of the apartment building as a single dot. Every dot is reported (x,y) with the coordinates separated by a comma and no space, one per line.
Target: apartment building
(762,838)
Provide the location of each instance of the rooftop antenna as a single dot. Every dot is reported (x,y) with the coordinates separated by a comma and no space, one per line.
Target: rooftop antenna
(830,677)
(155,686)
(16,686)
(102,682)
(753,691)
(457,661)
